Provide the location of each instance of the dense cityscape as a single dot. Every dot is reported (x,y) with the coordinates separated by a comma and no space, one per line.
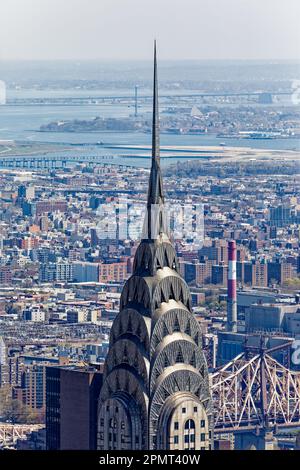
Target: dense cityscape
(150,256)
(62,273)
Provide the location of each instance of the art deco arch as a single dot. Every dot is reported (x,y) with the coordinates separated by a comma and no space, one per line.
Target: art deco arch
(128,420)
(176,318)
(171,405)
(133,322)
(178,378)
(170,286)
(127,353)
(151,257)
(125,380)
(175,349)
(136,291)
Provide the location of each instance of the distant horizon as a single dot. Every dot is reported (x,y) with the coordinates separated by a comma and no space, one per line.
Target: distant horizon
(78,30)
(148,61)
(186,70)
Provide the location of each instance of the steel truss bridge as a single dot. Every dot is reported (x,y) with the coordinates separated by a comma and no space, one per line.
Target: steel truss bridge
(10,433)
(256,392)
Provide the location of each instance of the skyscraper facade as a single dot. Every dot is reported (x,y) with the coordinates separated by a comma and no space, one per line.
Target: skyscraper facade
(155,393)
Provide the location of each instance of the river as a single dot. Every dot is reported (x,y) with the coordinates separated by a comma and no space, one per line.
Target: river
(22,122)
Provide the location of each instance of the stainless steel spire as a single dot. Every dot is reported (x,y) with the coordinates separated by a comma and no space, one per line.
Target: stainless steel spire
(155,199)
(155,119)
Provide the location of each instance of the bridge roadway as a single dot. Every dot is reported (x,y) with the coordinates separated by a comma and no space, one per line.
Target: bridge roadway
(57,161)
(74,100)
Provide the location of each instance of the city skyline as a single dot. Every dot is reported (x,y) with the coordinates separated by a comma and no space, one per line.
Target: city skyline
(149,229)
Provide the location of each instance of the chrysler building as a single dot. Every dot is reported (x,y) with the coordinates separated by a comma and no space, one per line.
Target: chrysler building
(155,392)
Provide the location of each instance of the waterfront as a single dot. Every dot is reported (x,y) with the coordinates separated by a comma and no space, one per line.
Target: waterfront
(21,122)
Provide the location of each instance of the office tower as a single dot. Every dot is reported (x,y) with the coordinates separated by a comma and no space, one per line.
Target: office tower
(231,288)
(56,272)
(71,407)
(112,272)
(217,251)
(279,271)
(86,272)
(260,274)
(26,192)
(155,392)
(6,275)
(33,386)
(44,223)
(219,274)
(280,216)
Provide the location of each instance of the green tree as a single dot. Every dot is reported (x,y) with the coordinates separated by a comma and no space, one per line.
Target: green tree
(293,284)
(15,411)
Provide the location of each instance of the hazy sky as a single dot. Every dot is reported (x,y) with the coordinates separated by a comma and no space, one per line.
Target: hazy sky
(124,29)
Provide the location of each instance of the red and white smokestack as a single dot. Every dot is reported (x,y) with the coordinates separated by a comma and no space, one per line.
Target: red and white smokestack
(231,288)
